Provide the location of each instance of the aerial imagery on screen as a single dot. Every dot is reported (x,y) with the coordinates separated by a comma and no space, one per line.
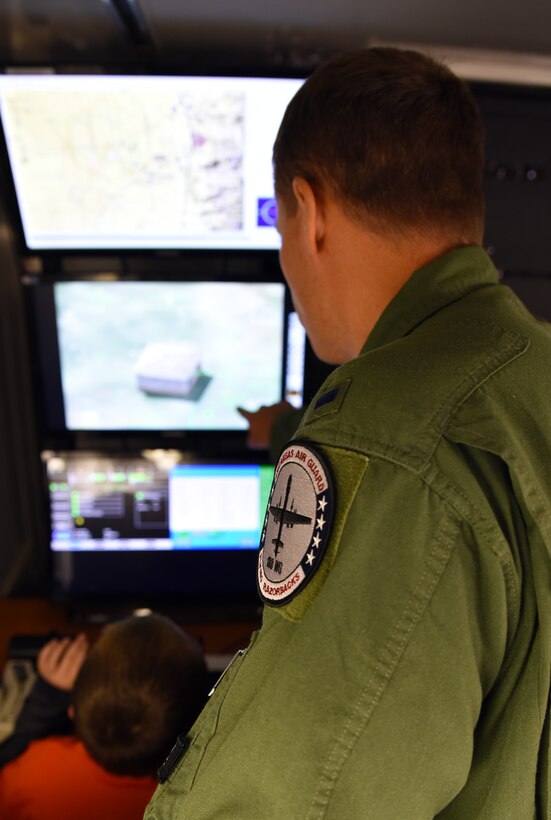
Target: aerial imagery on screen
(104,161)
(168,355)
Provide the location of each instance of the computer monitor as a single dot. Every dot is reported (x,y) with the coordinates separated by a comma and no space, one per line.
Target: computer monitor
(163,356)
(107,161)
(153,524)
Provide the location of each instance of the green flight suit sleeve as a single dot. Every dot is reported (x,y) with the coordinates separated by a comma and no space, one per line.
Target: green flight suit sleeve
(426,608)
(367,705)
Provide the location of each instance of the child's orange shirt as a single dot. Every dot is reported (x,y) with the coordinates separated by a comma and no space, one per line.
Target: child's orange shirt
(56,779)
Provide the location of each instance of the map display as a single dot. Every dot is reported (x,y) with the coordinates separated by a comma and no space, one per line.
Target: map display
(174,168)
(124,162)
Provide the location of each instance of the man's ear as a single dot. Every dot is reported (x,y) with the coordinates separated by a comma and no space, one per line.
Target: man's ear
(311,214)
(71,712)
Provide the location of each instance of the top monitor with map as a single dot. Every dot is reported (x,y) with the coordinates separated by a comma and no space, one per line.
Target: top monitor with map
(143,162)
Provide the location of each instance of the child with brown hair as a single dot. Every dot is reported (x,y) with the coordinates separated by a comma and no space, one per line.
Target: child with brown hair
(141,685)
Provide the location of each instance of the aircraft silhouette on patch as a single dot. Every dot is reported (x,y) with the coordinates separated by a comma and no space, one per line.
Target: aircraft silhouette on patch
(289,517)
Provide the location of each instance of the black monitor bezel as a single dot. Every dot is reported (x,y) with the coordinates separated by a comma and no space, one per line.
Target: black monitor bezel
(46,374)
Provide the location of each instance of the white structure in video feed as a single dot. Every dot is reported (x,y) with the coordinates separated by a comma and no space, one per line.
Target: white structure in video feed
(168,368)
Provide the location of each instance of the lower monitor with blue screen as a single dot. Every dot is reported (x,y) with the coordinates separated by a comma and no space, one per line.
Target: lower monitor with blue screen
(217,506)
(153,525)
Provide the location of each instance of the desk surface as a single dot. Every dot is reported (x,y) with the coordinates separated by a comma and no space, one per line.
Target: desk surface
(35,616)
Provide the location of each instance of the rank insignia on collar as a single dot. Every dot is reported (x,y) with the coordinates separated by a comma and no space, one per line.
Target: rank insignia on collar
(297,523)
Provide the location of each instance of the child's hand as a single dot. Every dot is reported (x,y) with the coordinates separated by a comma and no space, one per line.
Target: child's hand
(59,661)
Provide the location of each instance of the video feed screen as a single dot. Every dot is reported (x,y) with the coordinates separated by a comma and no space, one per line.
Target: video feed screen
(152,162)
(168,355)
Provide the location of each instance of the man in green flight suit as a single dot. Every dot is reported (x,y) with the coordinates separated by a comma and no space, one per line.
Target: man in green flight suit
(402,671)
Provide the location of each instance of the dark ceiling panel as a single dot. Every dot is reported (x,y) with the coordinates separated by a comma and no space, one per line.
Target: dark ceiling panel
(292,32)
(492,24)
(49,31)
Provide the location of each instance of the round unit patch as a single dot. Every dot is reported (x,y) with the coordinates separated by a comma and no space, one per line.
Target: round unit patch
(297,524)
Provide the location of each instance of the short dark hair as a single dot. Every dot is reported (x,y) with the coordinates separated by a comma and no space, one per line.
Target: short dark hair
(394,136)
(143,683)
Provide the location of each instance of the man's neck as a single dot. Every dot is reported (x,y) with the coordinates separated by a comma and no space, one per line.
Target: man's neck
(369,270)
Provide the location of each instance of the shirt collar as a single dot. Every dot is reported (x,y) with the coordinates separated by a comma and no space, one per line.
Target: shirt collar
(431,288)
